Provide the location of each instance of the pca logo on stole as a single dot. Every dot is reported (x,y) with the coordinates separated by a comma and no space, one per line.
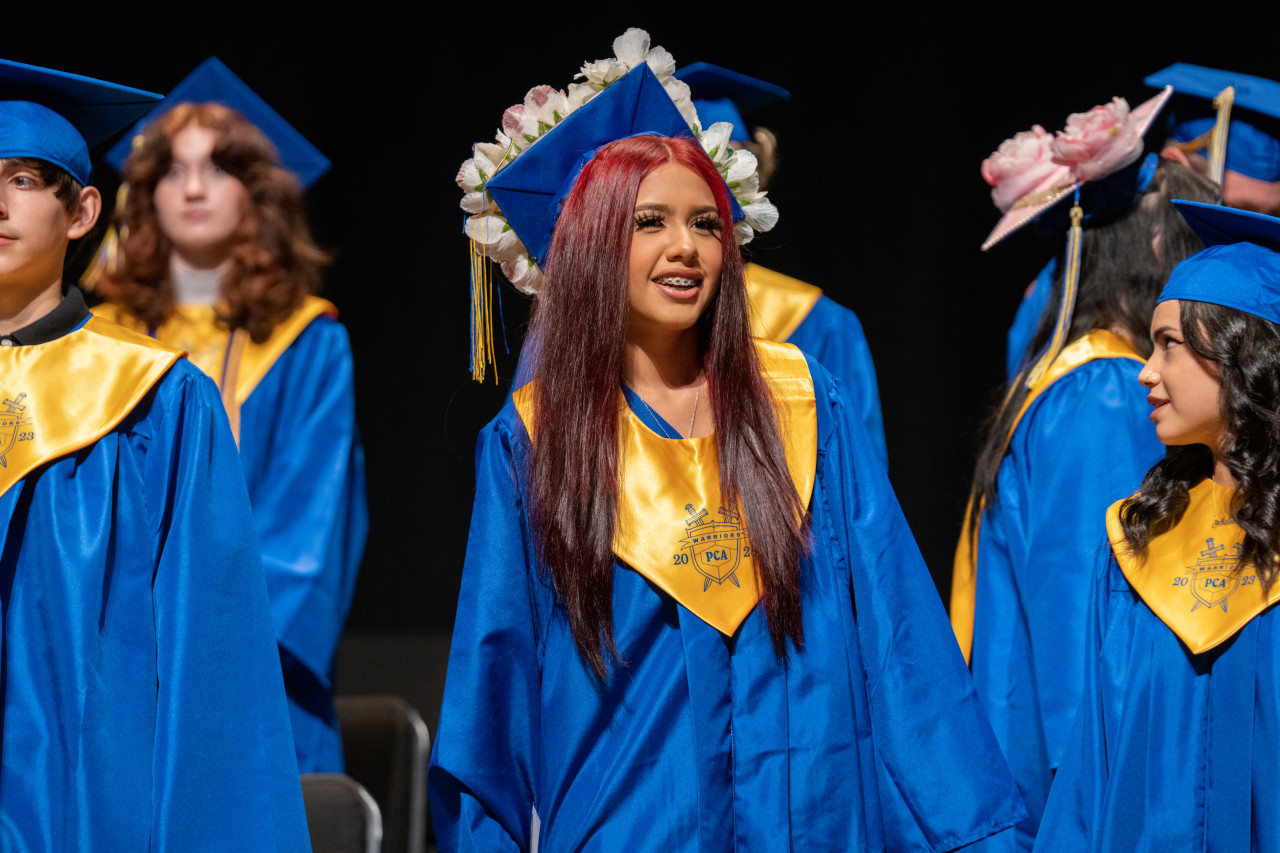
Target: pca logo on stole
(715,549)
(15,423)
(1215,576)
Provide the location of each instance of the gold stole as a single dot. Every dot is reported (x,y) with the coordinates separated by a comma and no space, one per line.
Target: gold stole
(236,363)
(61,396)
(1190,576)
(1098,343)
(671,525)
(779,303)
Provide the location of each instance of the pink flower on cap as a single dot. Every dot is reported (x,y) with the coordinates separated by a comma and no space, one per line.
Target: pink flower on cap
(1099,142)
(1019,166)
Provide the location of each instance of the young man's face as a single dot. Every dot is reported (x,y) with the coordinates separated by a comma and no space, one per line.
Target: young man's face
(35,227)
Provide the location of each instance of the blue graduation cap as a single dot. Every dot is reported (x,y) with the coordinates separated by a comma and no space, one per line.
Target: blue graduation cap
(55,116)
(530,189)
(1253,142)
(213,81)
(1240,268)
(723,95)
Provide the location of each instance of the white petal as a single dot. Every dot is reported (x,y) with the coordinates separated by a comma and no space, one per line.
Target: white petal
(473,202)
(631,46)
(494,234)
(761,215)
(715,140)
(742,166)
(743,233)
(523,273)
(661,63)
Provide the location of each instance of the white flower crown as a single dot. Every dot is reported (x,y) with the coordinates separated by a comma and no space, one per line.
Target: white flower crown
(544,107)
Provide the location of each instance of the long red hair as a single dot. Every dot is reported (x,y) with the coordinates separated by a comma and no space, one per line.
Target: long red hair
(580,325)
(275,263)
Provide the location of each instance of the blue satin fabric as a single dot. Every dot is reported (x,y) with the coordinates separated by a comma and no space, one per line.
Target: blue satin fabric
(1170,751)
(143,704)
(869,739)
(1027,320)
(1084,443)
(304,467)
(832,334)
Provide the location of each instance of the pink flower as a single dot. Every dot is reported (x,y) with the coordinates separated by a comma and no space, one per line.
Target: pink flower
(1018,166)
(1099,142)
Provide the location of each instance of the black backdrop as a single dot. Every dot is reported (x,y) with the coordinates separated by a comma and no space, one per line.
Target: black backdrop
(881,201)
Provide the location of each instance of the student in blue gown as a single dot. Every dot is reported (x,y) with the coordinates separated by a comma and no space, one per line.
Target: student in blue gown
(1176,746)
(1249,170)
(1070,435)
(689,619)
(785,308)
(216,258)
(142,701)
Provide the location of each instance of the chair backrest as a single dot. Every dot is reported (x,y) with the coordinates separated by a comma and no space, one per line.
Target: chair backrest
(341,816)
(386,745)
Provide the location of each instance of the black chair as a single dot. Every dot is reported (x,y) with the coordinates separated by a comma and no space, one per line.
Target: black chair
(386,745)
(341,816)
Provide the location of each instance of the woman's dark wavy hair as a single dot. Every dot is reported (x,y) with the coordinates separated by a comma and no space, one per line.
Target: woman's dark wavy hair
(1245,350)
(580,321)
(274,262)
(1121,275)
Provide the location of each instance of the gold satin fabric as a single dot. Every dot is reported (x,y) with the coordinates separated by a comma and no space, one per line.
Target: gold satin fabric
(1190,576)
(672,527)
(61,396)
(779,303)
(1098,343)
(215,350)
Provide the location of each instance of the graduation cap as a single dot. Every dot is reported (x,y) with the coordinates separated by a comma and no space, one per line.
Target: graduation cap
(1253,141)
(1240,266)
(723,95)
(55,116)
(1100,197)
(530,189)
(213,81)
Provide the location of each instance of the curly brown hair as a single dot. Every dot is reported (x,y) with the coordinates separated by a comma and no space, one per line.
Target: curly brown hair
(274,261)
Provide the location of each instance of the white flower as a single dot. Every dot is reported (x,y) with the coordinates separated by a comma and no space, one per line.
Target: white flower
(715,141)
(546,105)
(603,72)
(523,273)
(760,213)
(743,233)
(662,64)
(491,231)
(632,47)
(580,93)
(742,165)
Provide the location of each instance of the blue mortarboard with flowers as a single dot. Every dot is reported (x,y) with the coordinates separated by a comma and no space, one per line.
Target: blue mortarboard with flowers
(55,116)
(723,95)
(531,188)
(1253,142)
(1240,266)
(213,81)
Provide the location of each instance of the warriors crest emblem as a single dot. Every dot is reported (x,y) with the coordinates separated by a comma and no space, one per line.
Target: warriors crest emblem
(1215,575)
(14,425)
(714,548)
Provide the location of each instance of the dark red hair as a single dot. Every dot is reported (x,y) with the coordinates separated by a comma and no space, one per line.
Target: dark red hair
(580,324)
(275,263)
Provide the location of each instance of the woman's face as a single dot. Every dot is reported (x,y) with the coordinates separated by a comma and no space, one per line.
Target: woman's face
(675,252)
(199,206)
(1185,388)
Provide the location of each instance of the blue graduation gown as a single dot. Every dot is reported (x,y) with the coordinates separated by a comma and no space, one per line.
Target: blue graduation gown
(1171,751)
(143,703)
(869,739)
(1084,443)
(304,468)
(833,335)
(1027,320)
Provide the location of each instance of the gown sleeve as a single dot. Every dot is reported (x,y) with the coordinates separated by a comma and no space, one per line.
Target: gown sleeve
(224,770)
(1086,443)
(942,780)
(1075,800)
(483,763)
(304,466)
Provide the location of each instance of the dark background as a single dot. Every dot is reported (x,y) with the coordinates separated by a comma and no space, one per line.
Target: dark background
(879,192)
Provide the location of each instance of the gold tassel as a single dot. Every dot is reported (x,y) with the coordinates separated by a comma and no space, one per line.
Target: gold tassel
(1071,277)
(482,353)
(1218,147)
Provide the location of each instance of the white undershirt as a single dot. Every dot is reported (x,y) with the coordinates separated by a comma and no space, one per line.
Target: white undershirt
(197,287)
